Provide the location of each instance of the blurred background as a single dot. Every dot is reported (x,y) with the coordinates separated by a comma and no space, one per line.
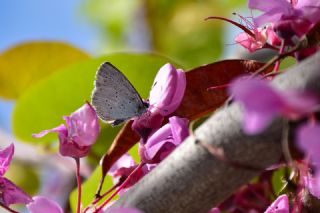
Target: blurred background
(49,51)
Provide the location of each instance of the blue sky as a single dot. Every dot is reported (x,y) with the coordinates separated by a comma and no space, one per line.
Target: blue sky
(23,20)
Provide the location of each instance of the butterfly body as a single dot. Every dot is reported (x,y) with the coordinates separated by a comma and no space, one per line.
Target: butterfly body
(114,98)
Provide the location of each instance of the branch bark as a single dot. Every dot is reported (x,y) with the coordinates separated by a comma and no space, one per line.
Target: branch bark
(192,180)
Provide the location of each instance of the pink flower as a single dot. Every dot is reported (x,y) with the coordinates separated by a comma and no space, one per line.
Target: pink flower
(107,209)
(125,161)
(258,39)
(288,18)
(10,193)
(280,205)
(164,140)
(214,210)
(252,43)
(123,210)
(165,97)
(313,184)
(79,133)
(167,91)
(262,103)
(272,37)
(5,158)
(308,139)
(124,167)
(41,204)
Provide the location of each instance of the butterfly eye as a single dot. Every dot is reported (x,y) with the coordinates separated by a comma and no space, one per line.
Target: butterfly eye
(146,104)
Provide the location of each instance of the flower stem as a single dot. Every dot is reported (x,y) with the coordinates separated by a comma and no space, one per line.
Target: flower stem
(96,200)
(277,65)
(8,208)
(223,86)
(78,183)
(120,187)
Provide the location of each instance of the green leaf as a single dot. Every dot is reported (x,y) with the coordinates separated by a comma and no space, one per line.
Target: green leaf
(43,105)
(278,180)
(23,65)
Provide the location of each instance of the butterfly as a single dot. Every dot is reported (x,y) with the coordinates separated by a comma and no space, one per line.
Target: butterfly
(114,98)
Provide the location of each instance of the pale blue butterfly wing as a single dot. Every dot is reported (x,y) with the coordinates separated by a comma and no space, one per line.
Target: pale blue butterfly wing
(114,98)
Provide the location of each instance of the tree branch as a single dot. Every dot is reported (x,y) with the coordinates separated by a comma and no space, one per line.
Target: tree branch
(192,180)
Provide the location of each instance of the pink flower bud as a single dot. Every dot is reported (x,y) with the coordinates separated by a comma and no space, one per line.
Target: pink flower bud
(80,132)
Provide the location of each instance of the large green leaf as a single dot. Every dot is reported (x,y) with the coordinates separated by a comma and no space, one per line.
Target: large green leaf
(43,105)
(23,65)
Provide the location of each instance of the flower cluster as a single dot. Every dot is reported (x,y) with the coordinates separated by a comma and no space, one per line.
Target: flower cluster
(165,97)
(157,140)
(262,103)
(282,24)
(288,18)
(12,194)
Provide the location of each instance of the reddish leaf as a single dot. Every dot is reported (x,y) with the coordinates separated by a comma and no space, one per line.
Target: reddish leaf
(125,139)
(197,101)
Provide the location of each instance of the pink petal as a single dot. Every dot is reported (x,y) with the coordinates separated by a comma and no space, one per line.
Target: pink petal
(280,205)
(214,210)
(160,135)
(255,123)
(179,129)
(125,161)
(5,158)
(168,90)
(161,149)
(313,184)
(164,140)
(269,5)
(308,5)
(308,139)
(155,142)
(179,93)
(272,16)
(256,95)
(72,149)
(246,41)
(11,194)
(273,38)
(312,13)
(83,125)
(123,210)
(42,204)
(261,103)
(298,103)
(59,129)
